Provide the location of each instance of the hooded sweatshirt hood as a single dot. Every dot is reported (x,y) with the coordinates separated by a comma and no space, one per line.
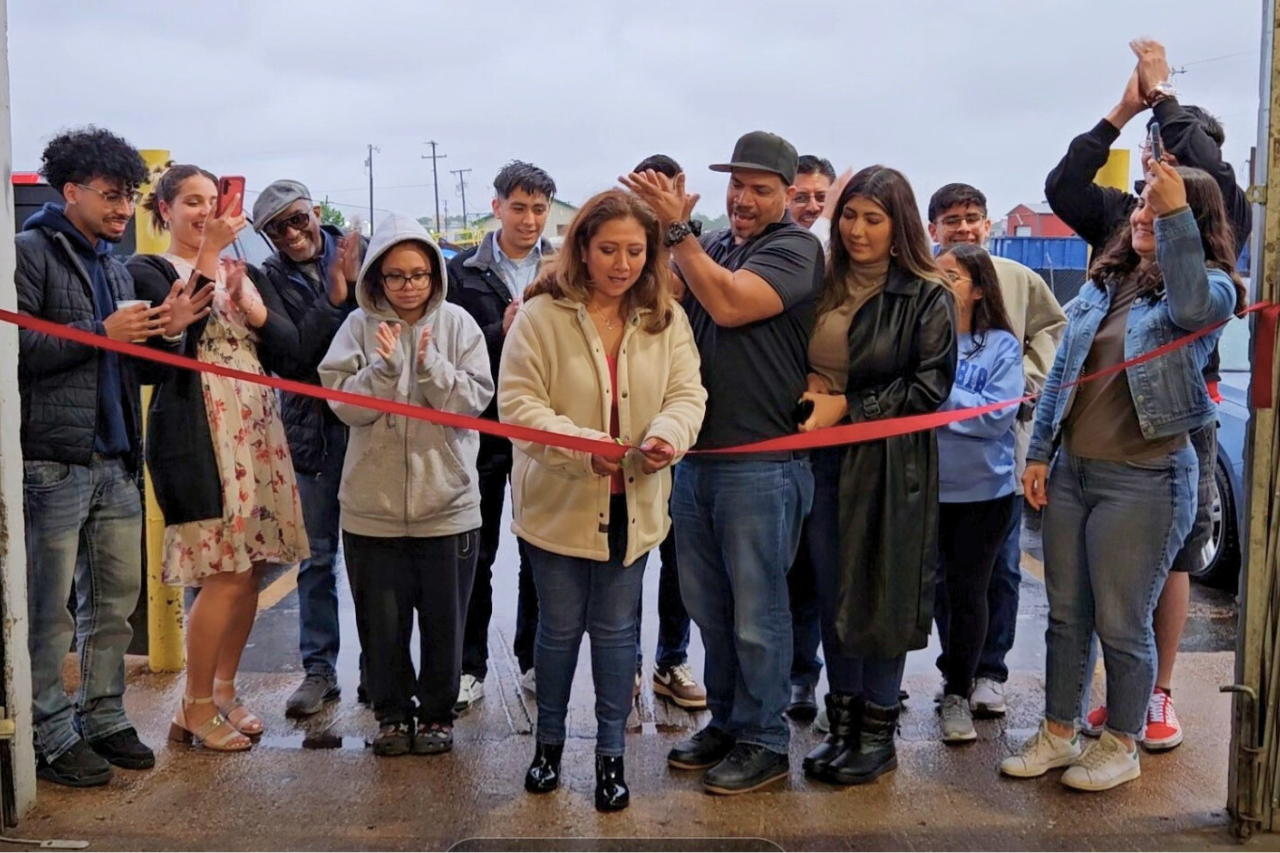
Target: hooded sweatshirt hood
(392,231)
(402,476)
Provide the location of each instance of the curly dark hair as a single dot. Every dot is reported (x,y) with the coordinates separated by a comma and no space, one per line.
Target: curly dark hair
(78,156)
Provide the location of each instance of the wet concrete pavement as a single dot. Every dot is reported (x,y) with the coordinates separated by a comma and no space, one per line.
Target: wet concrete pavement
(315,785)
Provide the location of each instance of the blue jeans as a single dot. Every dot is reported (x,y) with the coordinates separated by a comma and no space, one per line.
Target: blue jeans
(1111,530)
(94,511)
(317,584)
(737,533)
(577,595)
(673,619)
(806,617)
(878,680)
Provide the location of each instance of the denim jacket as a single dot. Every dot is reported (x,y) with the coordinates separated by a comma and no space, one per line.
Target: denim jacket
(1169,392)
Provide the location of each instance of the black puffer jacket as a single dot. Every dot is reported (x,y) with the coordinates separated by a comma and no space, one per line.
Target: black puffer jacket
(317,321)
(58,379)
(474,285)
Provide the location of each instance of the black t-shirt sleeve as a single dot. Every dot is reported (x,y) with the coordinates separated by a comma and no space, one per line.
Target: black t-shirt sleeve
(791,261)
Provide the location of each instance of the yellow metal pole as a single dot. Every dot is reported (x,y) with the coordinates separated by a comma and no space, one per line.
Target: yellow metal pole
(164,603)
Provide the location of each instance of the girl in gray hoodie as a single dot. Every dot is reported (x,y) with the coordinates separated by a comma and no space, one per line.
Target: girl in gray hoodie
(410,496)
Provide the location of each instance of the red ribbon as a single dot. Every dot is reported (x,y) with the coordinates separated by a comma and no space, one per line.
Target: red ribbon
(1268,321)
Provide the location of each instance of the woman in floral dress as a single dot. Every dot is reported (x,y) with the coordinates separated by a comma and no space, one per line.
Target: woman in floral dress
(217,452)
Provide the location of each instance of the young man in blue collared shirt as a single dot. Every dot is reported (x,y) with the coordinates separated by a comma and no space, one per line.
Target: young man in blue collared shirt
(489,282)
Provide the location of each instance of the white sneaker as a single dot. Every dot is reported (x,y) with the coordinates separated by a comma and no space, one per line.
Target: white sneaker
(470,691)
(1041,753)
(1104,765)
(987,698)
(957,720)
(529,681)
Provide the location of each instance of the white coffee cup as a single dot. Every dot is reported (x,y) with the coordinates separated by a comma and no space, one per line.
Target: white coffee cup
(130,303)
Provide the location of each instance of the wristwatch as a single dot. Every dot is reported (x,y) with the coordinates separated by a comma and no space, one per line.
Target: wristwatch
(1161,91)
(695,227)
(676,232)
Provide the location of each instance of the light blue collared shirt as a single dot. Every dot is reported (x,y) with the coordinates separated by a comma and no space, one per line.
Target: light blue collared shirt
(516,275)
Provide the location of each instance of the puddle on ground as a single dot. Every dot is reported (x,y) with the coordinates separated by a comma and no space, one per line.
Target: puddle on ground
(312,741)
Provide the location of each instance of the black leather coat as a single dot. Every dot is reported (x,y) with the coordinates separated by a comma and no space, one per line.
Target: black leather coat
(902,361)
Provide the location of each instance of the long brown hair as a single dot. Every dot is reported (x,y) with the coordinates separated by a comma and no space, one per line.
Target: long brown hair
(1217,236)
(909,249)
(566,277)
(989,311)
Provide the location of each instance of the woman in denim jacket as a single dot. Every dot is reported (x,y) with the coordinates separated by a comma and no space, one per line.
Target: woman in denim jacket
(1121,493)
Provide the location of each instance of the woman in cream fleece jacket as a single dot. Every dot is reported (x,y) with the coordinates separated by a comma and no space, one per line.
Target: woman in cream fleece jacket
(410,494)
(600,350)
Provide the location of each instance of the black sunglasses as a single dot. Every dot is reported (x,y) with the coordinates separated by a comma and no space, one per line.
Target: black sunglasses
(297,222)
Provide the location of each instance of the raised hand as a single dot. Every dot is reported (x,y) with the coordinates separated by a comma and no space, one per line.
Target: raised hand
(1166,191)
(423,343)
(388,338)
(136,322)
(346,266)
(187,305)
(220,231)
(667,197)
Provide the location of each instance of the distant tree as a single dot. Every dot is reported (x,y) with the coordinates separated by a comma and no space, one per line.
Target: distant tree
(330,215)
(709,224)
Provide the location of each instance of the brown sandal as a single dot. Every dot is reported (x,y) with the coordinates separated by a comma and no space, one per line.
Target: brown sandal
(216,734)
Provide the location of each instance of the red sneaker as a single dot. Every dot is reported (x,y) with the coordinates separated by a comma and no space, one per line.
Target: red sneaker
(1163,730)
(1095,722)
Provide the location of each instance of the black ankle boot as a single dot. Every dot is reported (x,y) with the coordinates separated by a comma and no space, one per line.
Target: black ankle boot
(544,773)
(845,715)
(873,754)
(612,794)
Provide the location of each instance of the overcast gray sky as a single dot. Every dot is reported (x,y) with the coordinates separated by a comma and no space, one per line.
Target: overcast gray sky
(987,91)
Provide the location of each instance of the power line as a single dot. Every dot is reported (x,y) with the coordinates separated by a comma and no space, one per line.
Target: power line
(462,187)
(435,177)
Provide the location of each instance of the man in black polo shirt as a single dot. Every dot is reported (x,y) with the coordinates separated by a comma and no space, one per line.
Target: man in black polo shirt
(751,294)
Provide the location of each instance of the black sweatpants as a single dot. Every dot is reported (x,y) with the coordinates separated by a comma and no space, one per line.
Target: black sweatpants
(392,577)
(970,536)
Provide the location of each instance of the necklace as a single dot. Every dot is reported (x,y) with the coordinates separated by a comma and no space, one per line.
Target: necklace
(608,324)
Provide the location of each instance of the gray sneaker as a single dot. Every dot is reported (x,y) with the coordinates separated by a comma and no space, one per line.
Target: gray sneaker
(957,720)
(316,690)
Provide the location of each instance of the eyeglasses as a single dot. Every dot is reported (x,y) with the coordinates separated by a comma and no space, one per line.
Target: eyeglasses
(968,219)
(395,281)
(296,221)
(115,198)
(803,198)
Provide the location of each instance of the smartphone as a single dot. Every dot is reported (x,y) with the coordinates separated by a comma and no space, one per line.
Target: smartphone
(1157,144)
(230,187)
(802,412)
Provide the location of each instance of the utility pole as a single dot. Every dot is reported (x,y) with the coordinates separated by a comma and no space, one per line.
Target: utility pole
(435,177)
(369,163)
(462,188)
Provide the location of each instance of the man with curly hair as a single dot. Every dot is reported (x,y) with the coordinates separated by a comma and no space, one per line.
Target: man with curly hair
(81,431)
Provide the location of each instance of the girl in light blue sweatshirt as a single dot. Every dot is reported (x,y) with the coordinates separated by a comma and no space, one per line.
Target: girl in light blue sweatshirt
(975,475)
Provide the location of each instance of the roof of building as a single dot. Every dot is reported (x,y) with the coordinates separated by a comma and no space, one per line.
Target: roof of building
(555,201)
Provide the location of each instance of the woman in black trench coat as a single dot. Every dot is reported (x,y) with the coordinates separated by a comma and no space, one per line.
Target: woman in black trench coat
(884,346)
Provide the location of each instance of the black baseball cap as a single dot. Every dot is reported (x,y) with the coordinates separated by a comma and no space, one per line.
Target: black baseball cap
(763,152)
